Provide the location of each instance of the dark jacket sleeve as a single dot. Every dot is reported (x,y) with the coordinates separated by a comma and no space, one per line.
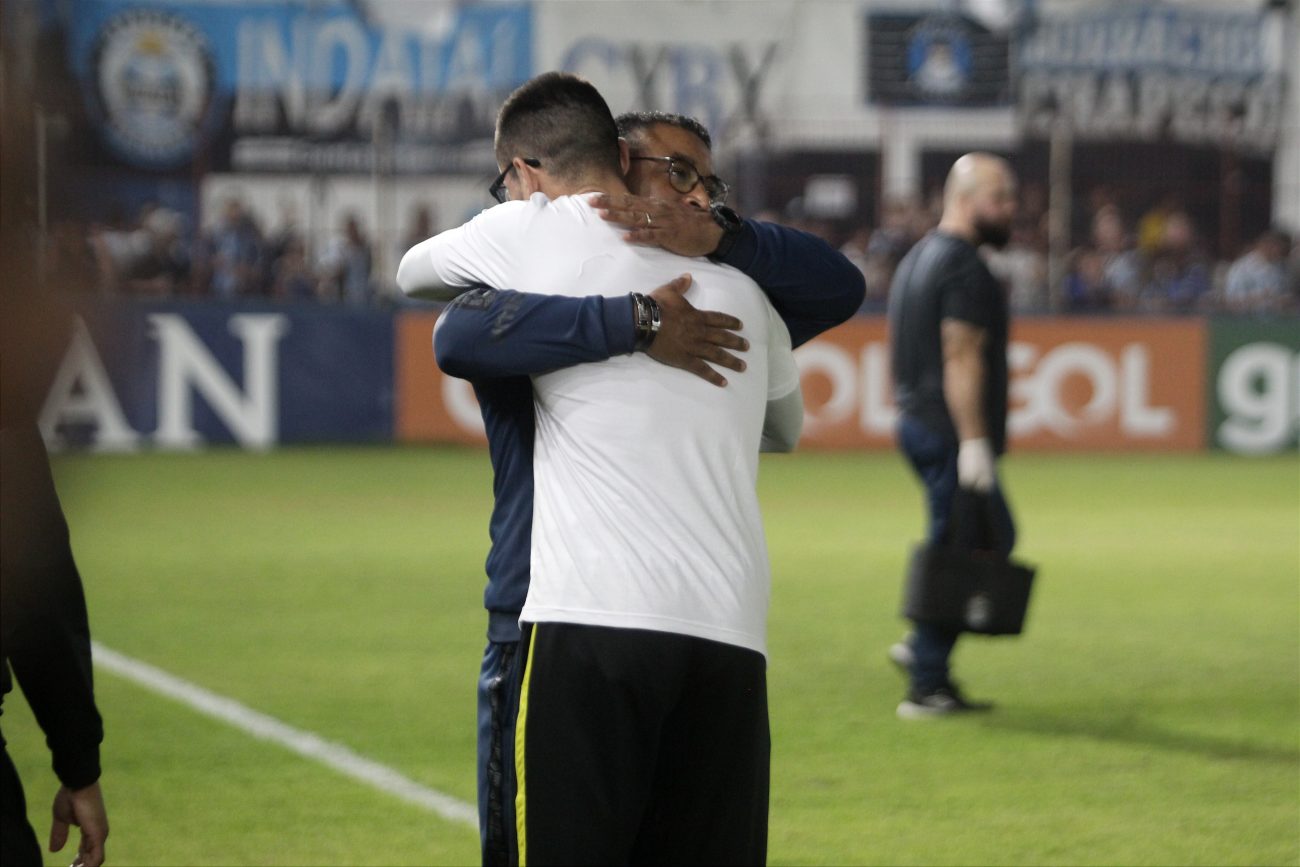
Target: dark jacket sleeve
(44,632)
(813,286)
(488,333)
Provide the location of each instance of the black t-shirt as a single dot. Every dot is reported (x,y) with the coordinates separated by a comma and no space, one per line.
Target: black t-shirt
(943,277)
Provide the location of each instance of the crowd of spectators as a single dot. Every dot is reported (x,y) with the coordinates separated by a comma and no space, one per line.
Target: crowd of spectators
(1157,264)
(1154,263)
(156,255)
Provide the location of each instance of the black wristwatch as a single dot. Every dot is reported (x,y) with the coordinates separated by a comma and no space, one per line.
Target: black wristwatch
(731,225)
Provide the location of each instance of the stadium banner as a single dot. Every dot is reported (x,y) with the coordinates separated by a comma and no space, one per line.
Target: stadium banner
(1076,384)
(718,62)
(1253,386)
(179,376)
(1103,384)
(295,85)
(941,59)
(775,73)
(1151,71)
(430,406)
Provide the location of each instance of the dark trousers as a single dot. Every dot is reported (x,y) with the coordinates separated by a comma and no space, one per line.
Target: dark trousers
(18,846)
(498,703)
(934,458)
(641,747)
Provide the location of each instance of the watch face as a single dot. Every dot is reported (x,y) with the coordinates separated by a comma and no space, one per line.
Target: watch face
(725,217)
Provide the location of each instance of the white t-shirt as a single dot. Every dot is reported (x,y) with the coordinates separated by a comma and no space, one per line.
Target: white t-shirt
(645,512)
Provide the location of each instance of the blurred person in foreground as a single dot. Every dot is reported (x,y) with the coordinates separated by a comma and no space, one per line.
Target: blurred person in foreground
(44,631)
(495,338)
(948,325)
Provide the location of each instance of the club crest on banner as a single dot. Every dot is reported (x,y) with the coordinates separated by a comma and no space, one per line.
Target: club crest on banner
(938,59)
(153,78)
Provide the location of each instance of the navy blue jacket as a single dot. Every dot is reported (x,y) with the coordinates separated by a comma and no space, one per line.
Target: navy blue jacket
(496,339)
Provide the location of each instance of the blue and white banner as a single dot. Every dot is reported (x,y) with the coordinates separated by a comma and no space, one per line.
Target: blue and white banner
(725,63)
(1156,71)
(938,59)
(179,376)
(297,86)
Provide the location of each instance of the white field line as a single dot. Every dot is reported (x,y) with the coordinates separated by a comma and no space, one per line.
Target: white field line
(304,743)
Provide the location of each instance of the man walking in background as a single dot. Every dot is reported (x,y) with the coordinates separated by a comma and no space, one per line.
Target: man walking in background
(948,324)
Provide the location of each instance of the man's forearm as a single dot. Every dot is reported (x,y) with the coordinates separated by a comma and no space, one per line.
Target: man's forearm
(487,333)
(963,377)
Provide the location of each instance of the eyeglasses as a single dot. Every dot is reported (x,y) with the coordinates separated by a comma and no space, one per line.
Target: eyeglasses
(683,176)
(498,189)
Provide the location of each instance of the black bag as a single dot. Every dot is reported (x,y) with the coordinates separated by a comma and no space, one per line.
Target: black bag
(961,582)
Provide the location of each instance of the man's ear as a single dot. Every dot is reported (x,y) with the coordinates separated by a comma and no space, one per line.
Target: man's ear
(529,180)
(624,156)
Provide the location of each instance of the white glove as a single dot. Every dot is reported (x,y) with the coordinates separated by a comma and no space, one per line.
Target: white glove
(975,465)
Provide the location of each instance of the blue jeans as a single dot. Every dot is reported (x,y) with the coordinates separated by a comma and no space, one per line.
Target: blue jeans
(498,704)
(934,458)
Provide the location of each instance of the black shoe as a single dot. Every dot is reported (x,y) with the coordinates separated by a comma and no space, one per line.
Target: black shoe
(944,701)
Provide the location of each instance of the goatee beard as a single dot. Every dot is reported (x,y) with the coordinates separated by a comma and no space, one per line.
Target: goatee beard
(993,234)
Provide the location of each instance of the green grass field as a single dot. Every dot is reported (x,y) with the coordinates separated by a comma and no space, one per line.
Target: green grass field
(1150,714)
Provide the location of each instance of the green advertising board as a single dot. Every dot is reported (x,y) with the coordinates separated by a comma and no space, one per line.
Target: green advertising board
(1254,385)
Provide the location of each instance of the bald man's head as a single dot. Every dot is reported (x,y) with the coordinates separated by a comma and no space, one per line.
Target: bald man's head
(979,199)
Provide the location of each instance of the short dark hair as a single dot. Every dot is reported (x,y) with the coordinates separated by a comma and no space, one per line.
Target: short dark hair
(635,121)
(563,121)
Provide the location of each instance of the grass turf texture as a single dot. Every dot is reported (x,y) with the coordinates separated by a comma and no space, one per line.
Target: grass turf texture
(1150,715)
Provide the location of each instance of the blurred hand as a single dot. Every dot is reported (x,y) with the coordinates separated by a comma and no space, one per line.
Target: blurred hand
(975,465)
(85,809)
(674,227)
(688,337)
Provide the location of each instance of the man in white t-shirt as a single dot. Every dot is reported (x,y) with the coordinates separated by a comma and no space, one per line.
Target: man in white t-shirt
(642,733)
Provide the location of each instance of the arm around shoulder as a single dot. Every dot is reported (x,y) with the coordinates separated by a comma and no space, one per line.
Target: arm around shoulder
(492,333)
